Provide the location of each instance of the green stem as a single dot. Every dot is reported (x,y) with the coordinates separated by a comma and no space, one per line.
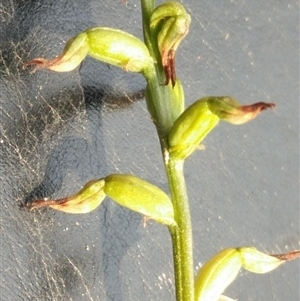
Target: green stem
(160,103)
(182,234)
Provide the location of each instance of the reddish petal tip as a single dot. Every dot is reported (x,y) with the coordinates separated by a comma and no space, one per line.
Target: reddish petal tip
(258,107)
(37,63)
(288,256)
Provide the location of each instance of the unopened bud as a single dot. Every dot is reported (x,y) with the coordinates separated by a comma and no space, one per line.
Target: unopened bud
(140,196)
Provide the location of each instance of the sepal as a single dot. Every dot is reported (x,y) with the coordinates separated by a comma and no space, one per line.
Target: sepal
(86,200)
(75,51)
(216,274)
(177,99)
(190,129)
(228,109)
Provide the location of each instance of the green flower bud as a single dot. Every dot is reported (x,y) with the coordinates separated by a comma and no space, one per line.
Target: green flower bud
(172,23)
(140,196)
(217,273)
(86,200)
(230,110)
(190,128)
(202,116)
(108,45)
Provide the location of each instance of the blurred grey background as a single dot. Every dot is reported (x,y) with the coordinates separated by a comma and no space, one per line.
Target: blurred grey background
(59,130)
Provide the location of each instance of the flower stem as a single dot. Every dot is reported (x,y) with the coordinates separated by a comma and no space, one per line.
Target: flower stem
(182,234)
(159,99)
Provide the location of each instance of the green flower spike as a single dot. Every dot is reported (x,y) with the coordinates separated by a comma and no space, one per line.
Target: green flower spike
(108,45)
(202,116)
(170,22)
(217,273)
(140,196)
(86,200)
